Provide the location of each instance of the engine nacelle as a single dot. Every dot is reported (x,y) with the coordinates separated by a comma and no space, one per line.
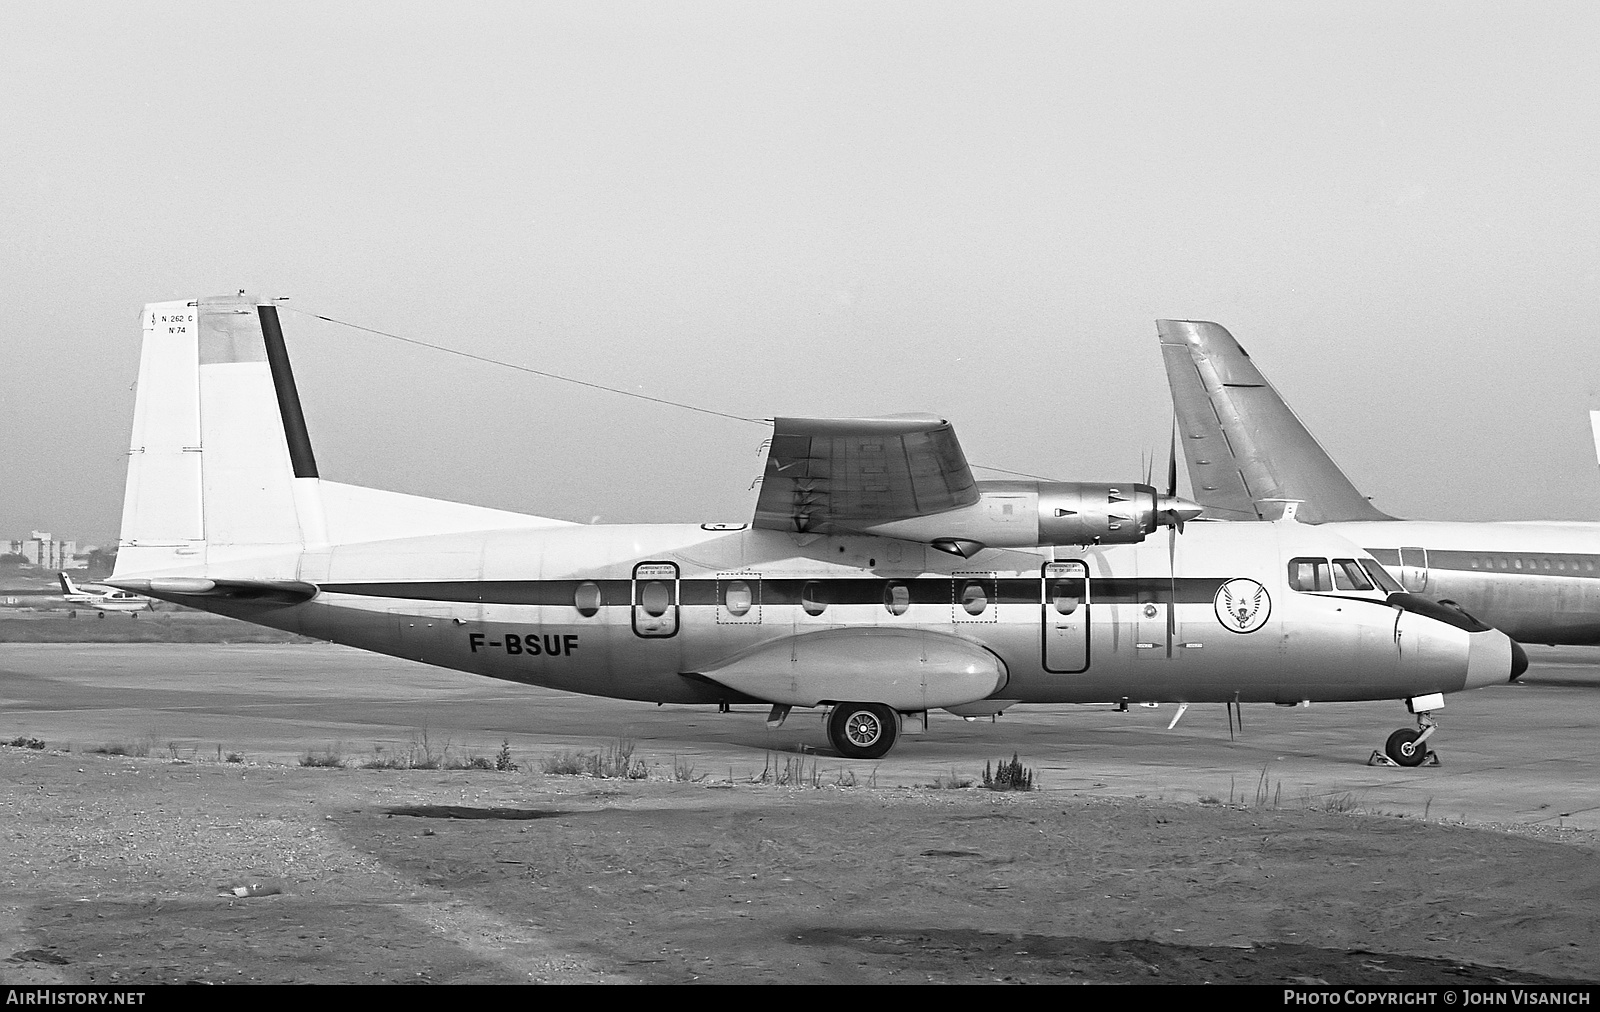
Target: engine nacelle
(1026,514)
(1086,513)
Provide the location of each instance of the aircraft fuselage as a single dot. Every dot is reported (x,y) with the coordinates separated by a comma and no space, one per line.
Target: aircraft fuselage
(683,613)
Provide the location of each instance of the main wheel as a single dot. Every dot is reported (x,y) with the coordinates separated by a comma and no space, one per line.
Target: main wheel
(1402,747)
(862,730)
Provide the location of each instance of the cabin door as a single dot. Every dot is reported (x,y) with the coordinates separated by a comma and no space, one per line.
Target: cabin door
(655,599)
(1064,616)
(1414,569)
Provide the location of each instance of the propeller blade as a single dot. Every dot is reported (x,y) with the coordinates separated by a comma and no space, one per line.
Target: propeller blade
(1172,585)
(1172,461)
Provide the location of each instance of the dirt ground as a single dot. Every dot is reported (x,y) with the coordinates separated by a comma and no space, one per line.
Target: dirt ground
(123,871)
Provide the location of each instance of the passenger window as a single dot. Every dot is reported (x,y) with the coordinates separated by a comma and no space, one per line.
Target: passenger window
(1348,576)
(586,598)
(897,597)
(737,598)
(974,599)
(1309,575)
(1065,595)
(812,598)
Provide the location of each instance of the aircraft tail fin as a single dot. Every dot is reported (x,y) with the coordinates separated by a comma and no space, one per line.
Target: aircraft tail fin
(209,478)
(1246,449)
(220,466)
(67,586)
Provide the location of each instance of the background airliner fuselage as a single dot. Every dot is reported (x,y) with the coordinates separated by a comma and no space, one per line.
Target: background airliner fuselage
(1536,581)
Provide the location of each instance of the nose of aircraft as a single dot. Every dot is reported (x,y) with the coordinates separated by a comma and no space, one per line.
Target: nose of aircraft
(1519,660)
(1493,658)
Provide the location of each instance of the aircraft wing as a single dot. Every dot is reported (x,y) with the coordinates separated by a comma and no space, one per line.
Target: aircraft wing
(835,475)
(1245,446)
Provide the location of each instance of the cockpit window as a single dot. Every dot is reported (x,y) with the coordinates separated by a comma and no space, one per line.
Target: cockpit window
(1316,576)
(1310,575)
(1381,577)
(1349,576)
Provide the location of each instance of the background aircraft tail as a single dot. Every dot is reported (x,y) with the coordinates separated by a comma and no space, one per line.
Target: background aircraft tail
(1246,449)
(220,466)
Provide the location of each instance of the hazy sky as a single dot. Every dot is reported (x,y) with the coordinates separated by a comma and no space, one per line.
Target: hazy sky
(977,210)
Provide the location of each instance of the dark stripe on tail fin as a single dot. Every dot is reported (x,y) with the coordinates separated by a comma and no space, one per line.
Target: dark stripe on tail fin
(294,420)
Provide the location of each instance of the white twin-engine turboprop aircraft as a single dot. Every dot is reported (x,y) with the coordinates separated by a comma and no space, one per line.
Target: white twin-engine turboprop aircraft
(877,578)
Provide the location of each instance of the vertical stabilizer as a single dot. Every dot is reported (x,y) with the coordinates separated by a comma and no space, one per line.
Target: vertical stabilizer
(218,441)
(1246,450)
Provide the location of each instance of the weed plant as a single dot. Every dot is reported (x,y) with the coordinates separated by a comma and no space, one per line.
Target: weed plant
(1009,776)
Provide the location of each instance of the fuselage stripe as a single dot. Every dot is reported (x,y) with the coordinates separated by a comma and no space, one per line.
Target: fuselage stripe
(787,591)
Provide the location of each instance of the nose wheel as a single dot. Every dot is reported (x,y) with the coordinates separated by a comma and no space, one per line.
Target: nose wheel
(1407,747)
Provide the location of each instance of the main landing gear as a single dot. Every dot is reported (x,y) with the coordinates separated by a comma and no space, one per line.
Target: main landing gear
(863,730)
(1407,747)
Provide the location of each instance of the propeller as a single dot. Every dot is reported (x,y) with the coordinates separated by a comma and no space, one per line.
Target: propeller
(1171,510)
(1176,516)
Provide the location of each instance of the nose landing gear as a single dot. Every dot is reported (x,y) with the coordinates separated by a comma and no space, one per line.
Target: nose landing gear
(1407,747)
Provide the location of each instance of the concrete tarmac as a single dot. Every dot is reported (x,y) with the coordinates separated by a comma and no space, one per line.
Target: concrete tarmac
(1523,753)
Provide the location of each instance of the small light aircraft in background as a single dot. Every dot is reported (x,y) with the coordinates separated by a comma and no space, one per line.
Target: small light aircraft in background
(1249,455)
(877,580)
(101,597)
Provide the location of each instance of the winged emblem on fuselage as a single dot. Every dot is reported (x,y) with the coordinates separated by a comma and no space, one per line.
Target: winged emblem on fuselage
(1242,605)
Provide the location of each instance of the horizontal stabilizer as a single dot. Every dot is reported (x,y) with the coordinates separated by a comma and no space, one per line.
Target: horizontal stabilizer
(287,591)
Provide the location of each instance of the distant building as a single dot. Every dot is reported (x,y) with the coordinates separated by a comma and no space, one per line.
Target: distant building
(43,550)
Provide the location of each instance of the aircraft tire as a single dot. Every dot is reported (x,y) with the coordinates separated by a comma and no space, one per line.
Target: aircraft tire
(862,730)
(1402,747)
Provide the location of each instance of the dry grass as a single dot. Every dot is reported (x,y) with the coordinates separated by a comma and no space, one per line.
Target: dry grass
(613,762)
(951,781)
